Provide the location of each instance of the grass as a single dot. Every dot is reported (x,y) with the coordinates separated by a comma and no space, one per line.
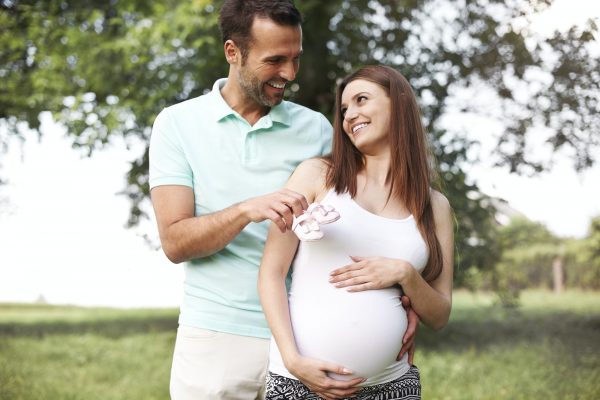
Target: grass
(69,353)
(549,348)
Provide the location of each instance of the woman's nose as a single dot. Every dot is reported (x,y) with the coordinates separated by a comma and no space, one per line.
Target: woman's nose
(350,115)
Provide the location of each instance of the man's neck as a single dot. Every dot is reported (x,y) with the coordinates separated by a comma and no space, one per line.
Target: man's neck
(247,107)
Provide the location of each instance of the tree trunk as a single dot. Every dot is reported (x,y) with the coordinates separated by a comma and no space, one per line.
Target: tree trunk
(558,275)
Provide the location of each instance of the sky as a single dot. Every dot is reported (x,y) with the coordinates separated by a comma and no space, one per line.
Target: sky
(62,234)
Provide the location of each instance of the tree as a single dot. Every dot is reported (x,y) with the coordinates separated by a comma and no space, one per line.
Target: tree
(582,264)
(527,253)
(106,68)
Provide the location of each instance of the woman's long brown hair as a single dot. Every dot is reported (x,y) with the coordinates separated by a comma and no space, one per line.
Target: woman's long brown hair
(410,174)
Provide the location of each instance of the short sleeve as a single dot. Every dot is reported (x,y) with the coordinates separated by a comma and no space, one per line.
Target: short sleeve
(326,135)
(168,161)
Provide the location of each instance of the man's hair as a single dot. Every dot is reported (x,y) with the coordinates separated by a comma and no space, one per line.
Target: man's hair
(236,17)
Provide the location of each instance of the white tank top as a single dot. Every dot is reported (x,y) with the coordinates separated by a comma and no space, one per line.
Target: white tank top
(361,331)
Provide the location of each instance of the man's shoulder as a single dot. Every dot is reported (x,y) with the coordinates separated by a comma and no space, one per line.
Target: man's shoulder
(298,109)
(190,105)
(181,116)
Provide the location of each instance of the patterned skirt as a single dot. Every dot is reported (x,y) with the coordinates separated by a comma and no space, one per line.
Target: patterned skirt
(407,387)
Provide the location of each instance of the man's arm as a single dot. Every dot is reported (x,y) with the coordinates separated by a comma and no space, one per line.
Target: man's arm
(184,236)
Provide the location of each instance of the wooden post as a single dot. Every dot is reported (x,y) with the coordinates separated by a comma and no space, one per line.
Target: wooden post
(558,274)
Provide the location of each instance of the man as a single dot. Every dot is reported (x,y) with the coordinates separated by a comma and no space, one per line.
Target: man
(216,165)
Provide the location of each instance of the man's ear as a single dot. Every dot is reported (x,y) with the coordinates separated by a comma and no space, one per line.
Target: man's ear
(232,52)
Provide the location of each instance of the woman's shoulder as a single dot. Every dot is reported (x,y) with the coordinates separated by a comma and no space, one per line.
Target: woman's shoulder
(309,178)
(313,167)
(442,210)
(438,200)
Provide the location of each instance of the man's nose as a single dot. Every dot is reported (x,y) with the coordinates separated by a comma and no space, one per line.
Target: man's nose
(289,70)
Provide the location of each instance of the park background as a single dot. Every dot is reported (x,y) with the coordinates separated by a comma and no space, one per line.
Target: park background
(510,92)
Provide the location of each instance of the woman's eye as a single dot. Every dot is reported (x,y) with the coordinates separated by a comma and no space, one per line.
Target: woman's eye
(359,99)
(343,111)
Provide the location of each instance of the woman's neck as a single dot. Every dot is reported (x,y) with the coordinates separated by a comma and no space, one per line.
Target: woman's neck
(373,189)
(376,171)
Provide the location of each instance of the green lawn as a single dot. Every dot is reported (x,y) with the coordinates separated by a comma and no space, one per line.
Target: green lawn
(547,349)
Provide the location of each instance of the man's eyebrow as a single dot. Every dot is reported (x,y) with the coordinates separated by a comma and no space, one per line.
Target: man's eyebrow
(281,56)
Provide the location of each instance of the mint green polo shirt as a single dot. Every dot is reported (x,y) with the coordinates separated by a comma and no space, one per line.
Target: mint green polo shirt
(204,144)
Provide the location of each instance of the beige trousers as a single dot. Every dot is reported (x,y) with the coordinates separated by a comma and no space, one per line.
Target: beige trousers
(211,365)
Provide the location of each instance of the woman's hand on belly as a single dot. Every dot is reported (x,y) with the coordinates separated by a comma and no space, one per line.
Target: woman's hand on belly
(370,273)
(313,373)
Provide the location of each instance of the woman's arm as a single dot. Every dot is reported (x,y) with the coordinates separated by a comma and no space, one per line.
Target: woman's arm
(432,301)
(277,257)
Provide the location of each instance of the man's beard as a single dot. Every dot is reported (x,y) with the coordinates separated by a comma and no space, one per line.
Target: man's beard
(253,87)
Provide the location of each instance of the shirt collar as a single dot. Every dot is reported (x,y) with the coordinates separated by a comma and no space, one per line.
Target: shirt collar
(221,108)
(279,113)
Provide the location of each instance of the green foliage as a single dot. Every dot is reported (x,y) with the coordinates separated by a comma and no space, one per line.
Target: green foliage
(475,237)
(545,349)
(521,232)
(582,263)
(527,251)
(106,69)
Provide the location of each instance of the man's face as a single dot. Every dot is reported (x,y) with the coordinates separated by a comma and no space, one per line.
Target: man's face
(272,61)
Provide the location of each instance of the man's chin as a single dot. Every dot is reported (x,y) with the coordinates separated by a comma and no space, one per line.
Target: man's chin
(272,101)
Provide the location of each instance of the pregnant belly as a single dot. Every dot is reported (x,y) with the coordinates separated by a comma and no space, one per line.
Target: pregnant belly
(360,331)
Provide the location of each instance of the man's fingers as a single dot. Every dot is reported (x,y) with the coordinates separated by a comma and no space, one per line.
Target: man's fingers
(278,220)
(413,323)
(405,347)
(405,301)
(295,201)
(411,353)
(285,213)
(410,329)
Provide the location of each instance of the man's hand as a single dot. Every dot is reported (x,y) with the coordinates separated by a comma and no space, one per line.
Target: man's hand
(408,341)
(279,207)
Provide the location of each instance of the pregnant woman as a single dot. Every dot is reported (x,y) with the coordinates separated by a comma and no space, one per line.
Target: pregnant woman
(342,319)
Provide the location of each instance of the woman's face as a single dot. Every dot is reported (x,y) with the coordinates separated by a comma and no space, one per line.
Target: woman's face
(365,107)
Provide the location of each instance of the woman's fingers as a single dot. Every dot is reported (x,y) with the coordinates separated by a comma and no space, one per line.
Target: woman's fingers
(351,281)
(346,269)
